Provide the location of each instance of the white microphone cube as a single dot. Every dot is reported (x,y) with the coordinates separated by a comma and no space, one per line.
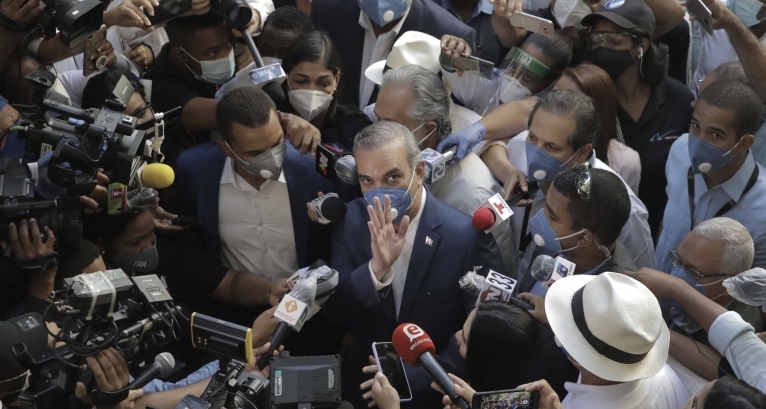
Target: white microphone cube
(436,164)
(497,287)
(270,73)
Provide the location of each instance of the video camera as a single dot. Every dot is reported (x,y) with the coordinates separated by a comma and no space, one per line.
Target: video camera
(76,20)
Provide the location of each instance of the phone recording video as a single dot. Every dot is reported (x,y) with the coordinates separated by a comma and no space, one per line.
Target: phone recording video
(508,399)
(392,367)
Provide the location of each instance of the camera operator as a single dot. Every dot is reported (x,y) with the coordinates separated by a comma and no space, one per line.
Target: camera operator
(110,370)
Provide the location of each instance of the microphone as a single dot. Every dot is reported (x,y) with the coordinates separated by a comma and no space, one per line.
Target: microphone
(292,311)
(495,287)
(542,268)
(327,156)
(163,364)
(329,208)
(155,176)
(436,162)
(491,214)
(416,349)
(345,170)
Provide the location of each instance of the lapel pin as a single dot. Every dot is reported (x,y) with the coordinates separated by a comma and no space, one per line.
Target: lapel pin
(429,242)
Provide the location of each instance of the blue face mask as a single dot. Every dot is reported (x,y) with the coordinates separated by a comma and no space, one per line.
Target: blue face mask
(401,199)
(545,237)
(382,12)
(706,156)
(746,10)
(541,166)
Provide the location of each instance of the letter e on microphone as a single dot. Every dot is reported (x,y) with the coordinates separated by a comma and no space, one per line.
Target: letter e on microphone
(412,331)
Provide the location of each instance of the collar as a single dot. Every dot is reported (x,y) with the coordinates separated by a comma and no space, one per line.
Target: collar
(597,269)
(366,24)
(412,230)
(230,177)
(600,394)
(483,6)
(735,186)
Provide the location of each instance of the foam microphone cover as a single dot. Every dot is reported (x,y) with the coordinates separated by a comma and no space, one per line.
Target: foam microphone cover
(157,176)
(410,342)
(333,209)
(275,92)
(542,267)
(483,219)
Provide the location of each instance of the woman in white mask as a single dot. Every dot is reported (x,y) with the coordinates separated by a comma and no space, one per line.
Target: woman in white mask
(313,67)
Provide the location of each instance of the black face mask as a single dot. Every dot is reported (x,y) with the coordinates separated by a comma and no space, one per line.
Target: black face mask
(614,62)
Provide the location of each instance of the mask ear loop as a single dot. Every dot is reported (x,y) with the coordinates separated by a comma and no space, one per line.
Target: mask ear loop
(641,62)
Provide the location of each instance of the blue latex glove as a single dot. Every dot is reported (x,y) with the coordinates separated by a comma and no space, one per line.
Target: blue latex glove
(465,140)
(44,187)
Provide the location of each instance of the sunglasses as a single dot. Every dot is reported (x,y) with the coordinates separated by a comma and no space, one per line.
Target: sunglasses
(583,182)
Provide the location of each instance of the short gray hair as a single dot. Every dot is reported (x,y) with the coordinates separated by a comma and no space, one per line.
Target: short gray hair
(384,133)
(572,104)
(739,250)
(430,99)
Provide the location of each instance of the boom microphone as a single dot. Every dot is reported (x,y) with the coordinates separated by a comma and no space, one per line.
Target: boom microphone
(416,349)
(163,364)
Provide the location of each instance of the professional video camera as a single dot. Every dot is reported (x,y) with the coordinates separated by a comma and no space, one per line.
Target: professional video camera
(17,202)
(104,309)
(84,140)
(76,20)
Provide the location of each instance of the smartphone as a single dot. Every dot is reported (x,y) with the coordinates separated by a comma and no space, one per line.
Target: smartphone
(512,398)
(701,13)
(471,65)
(391,365)
(90,48)
(533,23)
(169,9)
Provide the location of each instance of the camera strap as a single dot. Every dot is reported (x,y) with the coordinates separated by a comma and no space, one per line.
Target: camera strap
(34,265)
(104,398)
(13,25)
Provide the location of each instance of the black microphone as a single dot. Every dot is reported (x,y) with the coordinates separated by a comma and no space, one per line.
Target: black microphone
(163,364)
(329,208)
(542,268)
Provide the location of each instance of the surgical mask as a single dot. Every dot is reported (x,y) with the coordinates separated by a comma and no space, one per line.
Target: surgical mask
(267,164)
(216,72)
(512,90)
(541,165)
(748,287)
(143,262)
(569,13)
(382,12)
(401,199)
(706,157)
(271,60)
(746,10)
(545,237)
(309,103)
(614,62)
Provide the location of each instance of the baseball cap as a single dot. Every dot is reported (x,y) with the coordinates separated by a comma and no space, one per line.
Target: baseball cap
(629,14)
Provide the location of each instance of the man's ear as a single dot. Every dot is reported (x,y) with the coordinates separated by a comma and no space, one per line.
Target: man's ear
(586,238)
(224,148)
(583,153)
(420,170)
(747,142)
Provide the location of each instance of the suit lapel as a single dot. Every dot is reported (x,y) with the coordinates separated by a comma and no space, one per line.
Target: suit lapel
(296,172)
(208,191)
(423,251)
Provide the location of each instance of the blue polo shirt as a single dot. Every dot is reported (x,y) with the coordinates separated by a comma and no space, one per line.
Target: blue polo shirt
(750,209)
(487,46)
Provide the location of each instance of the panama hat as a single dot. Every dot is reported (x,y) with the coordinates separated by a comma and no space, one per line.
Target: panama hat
(413,47)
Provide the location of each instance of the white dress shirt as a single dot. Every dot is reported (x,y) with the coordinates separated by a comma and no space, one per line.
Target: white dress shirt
(256,226)
(662,391)
(375,49)
(397,276)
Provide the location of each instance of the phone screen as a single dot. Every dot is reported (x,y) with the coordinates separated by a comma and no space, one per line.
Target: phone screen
(512,399)
(391,365)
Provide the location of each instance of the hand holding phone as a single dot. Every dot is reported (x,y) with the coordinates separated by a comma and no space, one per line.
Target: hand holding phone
(701,13)
(471,65)
(512,398)
(390,364)
(533,23)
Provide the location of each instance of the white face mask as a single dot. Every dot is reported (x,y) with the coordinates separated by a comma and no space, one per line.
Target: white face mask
(309,103)
(569,13)
(216,72)
(512,90)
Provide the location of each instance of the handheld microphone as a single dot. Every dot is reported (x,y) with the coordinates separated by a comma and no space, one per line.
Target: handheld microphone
(491,214)
(416,349)
(436,162)
(345,170)
(495,287)
(542,268)
(155,176)
(327,156)
(163,364)
(292,311)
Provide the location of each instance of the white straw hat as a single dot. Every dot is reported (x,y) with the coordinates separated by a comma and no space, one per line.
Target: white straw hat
(413,47)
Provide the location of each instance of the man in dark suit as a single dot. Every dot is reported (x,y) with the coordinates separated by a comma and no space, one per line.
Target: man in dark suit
(251,189)
(365,39)
(400,261)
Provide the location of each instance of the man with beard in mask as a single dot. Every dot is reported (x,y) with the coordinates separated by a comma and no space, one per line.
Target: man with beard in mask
(652,108)
(711,171)
(365,30)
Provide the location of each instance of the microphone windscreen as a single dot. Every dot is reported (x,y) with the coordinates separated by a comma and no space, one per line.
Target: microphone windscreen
(157,176)
(333,209)
(542,267)
(345,168)
(274,91)
(165,362)
(483,219)
(410,342)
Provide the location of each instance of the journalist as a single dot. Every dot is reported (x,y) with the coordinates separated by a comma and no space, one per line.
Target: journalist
(280,30)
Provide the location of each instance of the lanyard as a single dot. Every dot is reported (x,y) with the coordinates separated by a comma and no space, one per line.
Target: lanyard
(728,206)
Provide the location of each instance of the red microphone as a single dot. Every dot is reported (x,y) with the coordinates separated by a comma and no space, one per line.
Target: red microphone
(483,219)
(416,348)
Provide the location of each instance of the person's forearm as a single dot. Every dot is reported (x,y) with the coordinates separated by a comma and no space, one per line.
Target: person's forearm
(751,54)
(53,50)
(667,15)
(496,159)
(508,119)
(699,307)
(507,35)
(700,358)
(249,289)
(170,398)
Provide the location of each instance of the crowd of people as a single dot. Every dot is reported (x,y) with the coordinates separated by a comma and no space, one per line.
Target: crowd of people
(626,136)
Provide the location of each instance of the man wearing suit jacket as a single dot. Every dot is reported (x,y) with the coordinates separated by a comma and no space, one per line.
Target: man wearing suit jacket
(366,30)
(585,210)
(251,188)
(400,253)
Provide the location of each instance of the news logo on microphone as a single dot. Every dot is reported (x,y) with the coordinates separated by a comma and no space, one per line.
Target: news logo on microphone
(327,155)
(491,214)
(497,287)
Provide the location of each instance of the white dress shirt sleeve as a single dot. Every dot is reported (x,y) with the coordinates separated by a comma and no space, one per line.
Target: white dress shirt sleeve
(734,338)
(380,285)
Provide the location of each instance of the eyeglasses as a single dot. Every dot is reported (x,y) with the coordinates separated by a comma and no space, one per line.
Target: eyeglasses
(678,263)
(583,182)
(611,40)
